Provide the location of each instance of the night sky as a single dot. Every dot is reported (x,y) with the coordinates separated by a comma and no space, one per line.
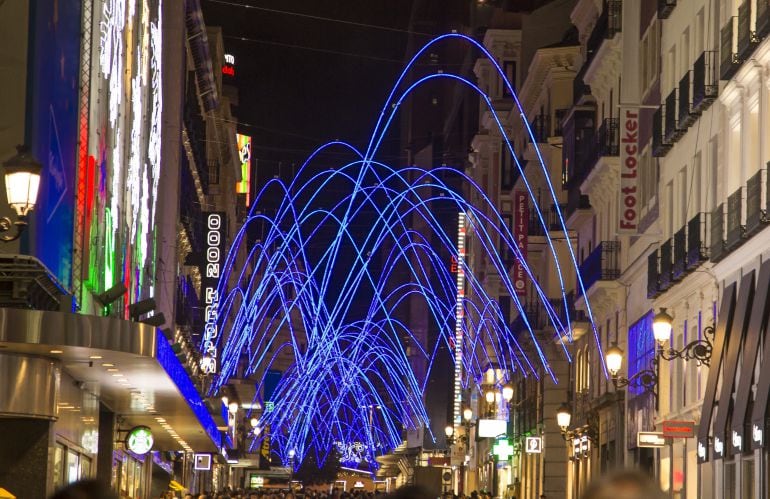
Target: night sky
(293,99)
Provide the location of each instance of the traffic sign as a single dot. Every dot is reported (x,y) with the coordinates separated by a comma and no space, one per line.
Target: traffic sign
(534,445)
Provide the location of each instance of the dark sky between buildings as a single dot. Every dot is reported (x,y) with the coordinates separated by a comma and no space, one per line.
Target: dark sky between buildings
(304,80)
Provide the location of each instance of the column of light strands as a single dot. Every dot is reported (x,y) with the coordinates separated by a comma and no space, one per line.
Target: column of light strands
(458,391)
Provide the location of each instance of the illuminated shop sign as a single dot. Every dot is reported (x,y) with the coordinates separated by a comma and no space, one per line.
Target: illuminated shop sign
(214,256)
(202,462)
(244,155)
(229,66)
(629,158)
(139,440)
(534,445)
(520,231)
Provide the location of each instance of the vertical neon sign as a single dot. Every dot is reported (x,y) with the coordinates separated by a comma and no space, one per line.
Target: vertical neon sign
(459,315)
(212,268)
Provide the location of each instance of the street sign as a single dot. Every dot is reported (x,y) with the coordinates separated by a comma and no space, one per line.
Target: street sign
(202,462)
(503,449)
(652,439)
(534,445)
(678,429)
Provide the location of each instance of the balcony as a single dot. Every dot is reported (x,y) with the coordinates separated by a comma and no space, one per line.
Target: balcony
(697,252)
(756,216)
(550,217)
(541,128)
(660,146)
(734,229)
(717,243)
(576,201)
(747,39)
(763,19)
(559,115)
(672,131)
(666,265)
(729,62)
(687,113)
(665,7)
(653,287)
(607,26)
(705,85)
(605,143)
(603,264)
(680,254)
(579,133)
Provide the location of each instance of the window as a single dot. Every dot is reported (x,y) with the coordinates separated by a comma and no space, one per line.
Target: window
(649,57)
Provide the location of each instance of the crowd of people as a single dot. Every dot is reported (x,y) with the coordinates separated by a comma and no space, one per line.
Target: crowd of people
(617,485)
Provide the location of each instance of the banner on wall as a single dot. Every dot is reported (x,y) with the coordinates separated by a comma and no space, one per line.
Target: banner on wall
(629,162)
(520,230)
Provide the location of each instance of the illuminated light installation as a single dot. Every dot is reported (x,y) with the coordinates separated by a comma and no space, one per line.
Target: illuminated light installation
(458,343)
(118,197)
(287,299)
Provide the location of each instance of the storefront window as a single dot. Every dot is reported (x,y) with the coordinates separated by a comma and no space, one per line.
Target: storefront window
(73,466)
(58,466)
(85,467)
(747,491)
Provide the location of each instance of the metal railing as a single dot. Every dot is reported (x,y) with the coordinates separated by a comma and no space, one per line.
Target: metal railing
(717,243)
(680,254)
(728,57)
(541,128)
(653,287)
(606,142)
(756,216)
(687,112)
(705,84)
(660,146)
(747,39)
(697,252)
(666,265)
(665,7)
(603,264)
(763,19)
(672,130)
(734,229)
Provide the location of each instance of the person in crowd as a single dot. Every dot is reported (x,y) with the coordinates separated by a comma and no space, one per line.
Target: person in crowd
(85,489)
(625,484)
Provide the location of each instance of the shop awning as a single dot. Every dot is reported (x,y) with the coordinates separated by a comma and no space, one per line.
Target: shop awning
(740,438)
(723,326)
(4,494)
(734,340)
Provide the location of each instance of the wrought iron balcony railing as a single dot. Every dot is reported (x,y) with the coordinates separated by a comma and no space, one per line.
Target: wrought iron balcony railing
(728,50)
(660,146)
(717,244)
(665,7)
(666,265)
(603,264)
(705,84)
(763,19)
(653,286)
(747,39)
(734,231)
(680,254)
(697,252)
(756,216)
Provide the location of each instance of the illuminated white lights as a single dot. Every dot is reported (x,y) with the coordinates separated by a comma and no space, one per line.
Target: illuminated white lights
(459,316)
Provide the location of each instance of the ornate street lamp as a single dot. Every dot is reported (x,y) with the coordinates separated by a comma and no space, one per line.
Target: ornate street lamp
(564,417)
(508,392)
(698,350)
(646,379)
(22,181)
(467,415)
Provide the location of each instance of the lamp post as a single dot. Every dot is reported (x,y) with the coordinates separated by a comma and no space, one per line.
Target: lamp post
(22,181)
(564,418)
